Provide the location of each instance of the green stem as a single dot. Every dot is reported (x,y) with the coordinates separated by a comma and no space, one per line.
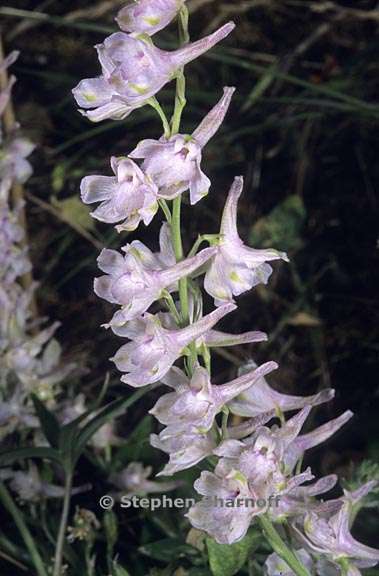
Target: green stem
(166,210)
(180,96)
(196,246)
(171,306)
(344,564)
(207,358)
(281,548)
(179,255)
(180,103)
(210,238)
(166,126)
(224,424)
(9,504)
(63,526)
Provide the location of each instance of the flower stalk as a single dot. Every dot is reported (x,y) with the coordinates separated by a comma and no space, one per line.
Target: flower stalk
(280,547)
(30,544)
(58,557)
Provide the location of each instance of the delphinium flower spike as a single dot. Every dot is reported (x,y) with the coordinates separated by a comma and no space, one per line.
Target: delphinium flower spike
(171,344)
(29,354)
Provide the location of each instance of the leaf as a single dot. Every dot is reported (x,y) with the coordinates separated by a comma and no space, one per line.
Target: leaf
(137,445)
(9,456)
(228,559)
(73,211)
(49,423)
(110,523)
(168,549)
(118,570)
(282,227)
(70,430)
(115,408)
(58,177)
(162,571)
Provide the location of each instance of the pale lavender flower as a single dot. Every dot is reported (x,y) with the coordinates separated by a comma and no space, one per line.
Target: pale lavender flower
(249,469)
(195,403)
(212,338)
(264,398)
(260,466)
(134,70)
(15,413)
(230,504)
(13,164)
(14,314)
(153,349)
(14,261)
(266,450)
(130,196)
(189,414)
(236,268)
(226,523)
(332,537)
(275,566)
(134,480)
(175,164)
(302,500)
(319,435)
(36,359)
(148,16)
(137,279)
(31,488)
(33,356)
(186,447)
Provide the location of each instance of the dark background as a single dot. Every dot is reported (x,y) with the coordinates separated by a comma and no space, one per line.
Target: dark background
(302,129)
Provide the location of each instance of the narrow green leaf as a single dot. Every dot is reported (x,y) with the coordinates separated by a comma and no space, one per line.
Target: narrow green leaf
(118,570)
(70,430)
(136,446)
(49,423)
(115,408)
(168,549)
(9,456)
